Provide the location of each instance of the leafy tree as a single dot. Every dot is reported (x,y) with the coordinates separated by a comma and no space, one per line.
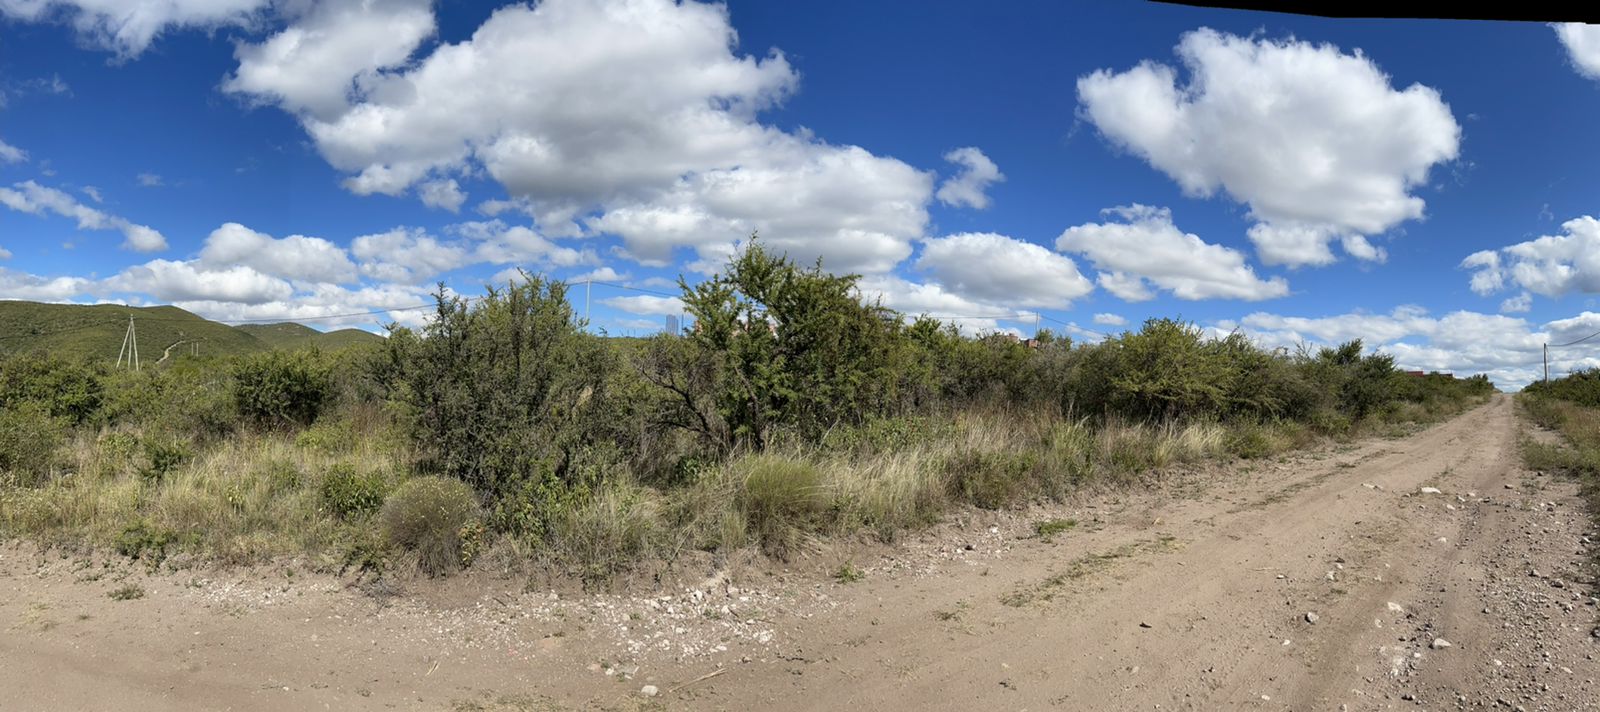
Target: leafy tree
(789,347)
(1166,370)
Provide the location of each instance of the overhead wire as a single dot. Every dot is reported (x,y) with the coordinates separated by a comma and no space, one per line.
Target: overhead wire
(1575,343)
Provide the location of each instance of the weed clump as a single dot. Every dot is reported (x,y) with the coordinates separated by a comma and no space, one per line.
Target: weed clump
(1047,529)
(432,516)
(349,493)
(127,593)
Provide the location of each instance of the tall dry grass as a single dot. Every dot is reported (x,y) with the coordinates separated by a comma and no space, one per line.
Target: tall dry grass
(249,498)
(257,496)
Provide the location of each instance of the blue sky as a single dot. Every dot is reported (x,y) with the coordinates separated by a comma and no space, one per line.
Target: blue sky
(1423,184)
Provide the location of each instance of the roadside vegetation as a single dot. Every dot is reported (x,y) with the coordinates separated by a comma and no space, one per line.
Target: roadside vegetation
(503,432)
(1570,406)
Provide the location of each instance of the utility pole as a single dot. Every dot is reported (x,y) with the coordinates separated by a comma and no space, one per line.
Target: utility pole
(130,346)
(1547,362)
(588,284)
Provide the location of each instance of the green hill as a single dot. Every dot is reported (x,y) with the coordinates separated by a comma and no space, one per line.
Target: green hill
(289,335)
(96,332)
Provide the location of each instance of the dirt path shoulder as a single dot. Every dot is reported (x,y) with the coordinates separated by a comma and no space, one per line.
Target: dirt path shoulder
(1328,580)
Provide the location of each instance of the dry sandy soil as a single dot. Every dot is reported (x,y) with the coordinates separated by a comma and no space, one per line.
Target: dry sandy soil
(1328,580)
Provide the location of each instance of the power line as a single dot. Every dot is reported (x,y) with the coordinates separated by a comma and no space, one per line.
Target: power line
(1574,343)
(619,285)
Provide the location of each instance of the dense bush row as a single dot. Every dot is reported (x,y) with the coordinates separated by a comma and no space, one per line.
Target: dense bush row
(792,407)
(1581,387)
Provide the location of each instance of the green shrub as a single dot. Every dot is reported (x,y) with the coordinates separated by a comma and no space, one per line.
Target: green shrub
(162,456)
(505,392)
(781,347)
(29,440)
(991,480)
(350,493)
(142,540)
(1252,441)
(66,388)
(430,516)
(282,388)
(848,573)
(281,476)
(117,453)
(329,436)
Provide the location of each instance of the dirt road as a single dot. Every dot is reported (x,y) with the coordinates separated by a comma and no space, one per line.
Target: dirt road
(1326,581)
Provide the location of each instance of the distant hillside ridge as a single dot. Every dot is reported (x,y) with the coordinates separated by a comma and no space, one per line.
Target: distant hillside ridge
(97,331)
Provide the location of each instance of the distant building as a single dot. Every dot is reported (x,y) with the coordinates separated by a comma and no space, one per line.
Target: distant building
(672,325)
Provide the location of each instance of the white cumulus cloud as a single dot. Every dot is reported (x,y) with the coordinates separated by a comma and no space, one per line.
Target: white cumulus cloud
(1520,304)
(1552,265)
(969,188)
(1314,140)
(1002,270)
(444,194)
(127,27)
(632,117)
(175,281)
(646,304)
(914,299)
(1147,249)
(1583,46)
(296,257)
(11,154)
(407,255)
(30,197)
(21,285)
(502,244)
(315,63)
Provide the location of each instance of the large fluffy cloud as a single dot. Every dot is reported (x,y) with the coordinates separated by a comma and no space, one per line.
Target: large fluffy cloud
(502,244)
(969,188)
(632,117)
(971,316)
(1551,265)
(174,281)
(407,255)
(21,285)
(326,306)
(1146,250)
(296,257)
(30,197)
(646,304)
(1314,140)
(314,64)
(1583,46)
(129,26)
(1002,270)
